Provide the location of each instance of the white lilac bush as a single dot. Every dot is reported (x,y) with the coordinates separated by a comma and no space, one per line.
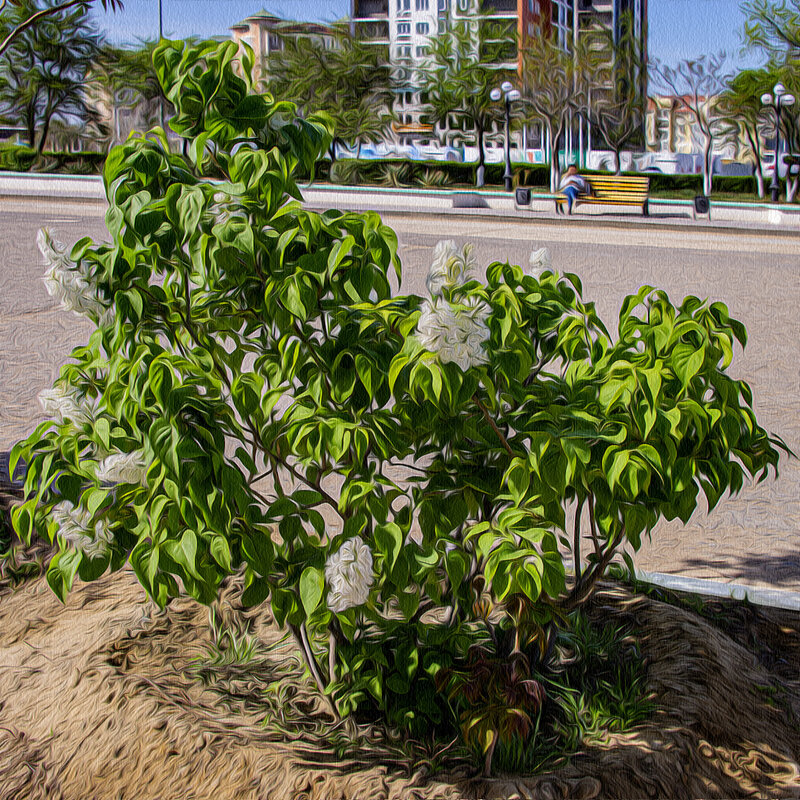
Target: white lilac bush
(398,477)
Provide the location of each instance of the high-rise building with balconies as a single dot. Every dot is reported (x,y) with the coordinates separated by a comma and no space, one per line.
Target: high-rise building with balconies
(404,28)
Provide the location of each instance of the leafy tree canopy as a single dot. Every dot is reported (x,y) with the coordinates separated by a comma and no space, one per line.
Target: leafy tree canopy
(45,67)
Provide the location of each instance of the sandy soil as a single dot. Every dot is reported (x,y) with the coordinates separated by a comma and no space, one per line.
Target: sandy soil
(105,698)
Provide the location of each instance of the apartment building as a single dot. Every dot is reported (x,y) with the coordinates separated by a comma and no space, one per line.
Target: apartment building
(262,32)
(404,29)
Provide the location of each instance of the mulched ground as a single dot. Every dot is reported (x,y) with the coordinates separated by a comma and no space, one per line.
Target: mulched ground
(105,697)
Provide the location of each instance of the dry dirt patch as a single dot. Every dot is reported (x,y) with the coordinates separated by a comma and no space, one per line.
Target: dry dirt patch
(105,698)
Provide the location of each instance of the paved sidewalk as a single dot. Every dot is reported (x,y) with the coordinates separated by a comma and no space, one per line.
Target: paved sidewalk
(751,217)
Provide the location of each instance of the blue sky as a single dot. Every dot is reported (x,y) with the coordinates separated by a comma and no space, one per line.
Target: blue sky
(678,28)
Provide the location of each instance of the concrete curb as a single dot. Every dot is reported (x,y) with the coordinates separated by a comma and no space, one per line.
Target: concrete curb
(65,187)
(726,216)
(774,598)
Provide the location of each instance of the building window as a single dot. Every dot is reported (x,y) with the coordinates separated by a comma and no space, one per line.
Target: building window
(404,51)
(422,28)
(442,5)
(403,5)
(421,5)
(422,51)
(442,25)
(403,28)
(463,6)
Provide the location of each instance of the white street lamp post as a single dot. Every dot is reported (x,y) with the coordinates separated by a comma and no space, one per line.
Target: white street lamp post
(777,100)
(511,94)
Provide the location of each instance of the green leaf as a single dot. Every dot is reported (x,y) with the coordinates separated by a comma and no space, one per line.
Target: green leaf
(686,362)
(103,431)
(618,462)
(389,538)
(312,582)
(61,572)
(189,548)
(95,498)
(340,250)
(221,552)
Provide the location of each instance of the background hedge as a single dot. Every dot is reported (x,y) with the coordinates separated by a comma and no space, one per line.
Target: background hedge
(390,172)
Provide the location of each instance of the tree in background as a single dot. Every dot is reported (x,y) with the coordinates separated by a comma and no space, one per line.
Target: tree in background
(699,82)
(744,115)
(612,72)
(44,69)
(14,25)
(124,80)
(350,82)
(553,84)
(774,27)
(459,77)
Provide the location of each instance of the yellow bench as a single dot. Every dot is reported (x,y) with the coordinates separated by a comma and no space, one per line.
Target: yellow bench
(616,190)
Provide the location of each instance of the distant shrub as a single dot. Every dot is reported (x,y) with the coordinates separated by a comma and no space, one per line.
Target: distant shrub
(17,158)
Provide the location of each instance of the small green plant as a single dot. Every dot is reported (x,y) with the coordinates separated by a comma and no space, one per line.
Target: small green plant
(396,175)
(599,683)
(497,700)
(228,645)
(433,178)
(596,686)
(346,172)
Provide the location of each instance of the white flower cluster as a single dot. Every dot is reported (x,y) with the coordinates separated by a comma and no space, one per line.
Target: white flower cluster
(73,524)
(72,286)
(454,329)
(348,572)
(541,261)
(64,405)
(451,268)
(455,332)
(123,468)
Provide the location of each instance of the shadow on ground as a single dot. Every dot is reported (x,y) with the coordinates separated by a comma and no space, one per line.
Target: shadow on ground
(775,569)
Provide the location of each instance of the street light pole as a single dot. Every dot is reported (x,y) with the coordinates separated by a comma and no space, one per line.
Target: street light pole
(777,100)
(775,185)
(511,94)
(507,173)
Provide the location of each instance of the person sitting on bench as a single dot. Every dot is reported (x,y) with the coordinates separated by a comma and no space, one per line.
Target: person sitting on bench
(572,185)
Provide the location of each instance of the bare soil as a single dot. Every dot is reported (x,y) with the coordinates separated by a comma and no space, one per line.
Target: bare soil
(107,698)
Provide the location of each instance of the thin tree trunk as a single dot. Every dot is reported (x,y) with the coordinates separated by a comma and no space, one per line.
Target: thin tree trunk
(707,167)
(480,181)
(759,181)
(43,138)
(755,147)
(301,639)
(553,160)
(791,188)
(555,164)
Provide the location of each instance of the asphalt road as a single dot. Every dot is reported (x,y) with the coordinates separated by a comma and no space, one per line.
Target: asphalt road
(753,538)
